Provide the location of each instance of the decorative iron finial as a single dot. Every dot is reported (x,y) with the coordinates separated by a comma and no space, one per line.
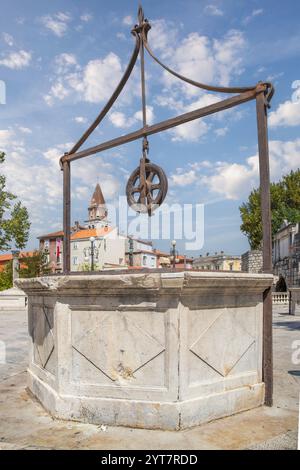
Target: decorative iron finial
(141,16)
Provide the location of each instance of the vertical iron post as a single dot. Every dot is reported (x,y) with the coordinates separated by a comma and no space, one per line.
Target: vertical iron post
(92,255)
(66,216)
(263,151)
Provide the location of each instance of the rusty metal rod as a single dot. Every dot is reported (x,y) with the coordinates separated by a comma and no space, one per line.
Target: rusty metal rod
(66,216)
(264,171)
(168,124)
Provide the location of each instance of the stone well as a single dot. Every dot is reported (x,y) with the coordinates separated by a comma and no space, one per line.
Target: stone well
(153,350)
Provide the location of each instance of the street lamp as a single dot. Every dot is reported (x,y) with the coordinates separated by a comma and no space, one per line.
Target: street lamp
(91,251)
(173,253)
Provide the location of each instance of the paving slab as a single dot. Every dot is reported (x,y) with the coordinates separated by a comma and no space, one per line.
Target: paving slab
(24,424)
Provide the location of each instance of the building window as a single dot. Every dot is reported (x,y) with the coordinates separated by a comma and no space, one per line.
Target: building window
(153,262)
(75,260)
(231,266)
(75,246)
(144,260)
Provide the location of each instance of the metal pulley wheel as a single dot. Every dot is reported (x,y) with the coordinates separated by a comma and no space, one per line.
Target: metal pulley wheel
(147,187)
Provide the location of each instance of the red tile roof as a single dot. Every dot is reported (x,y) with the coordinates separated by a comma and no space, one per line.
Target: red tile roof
(91,232)
(8,256)
(60,234)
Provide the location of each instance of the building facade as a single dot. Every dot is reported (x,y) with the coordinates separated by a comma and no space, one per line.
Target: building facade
(52,245)
(108,249)
(286,254)
(218,262)
(140,253)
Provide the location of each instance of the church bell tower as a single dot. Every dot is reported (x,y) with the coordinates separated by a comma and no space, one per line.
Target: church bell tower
(97,209)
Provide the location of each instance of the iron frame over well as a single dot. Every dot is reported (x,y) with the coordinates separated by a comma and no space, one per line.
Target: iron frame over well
(261,92)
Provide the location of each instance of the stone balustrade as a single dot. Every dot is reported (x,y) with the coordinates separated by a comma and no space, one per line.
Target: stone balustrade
(280,298)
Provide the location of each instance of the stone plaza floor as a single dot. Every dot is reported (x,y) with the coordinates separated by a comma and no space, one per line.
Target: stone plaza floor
(24,424)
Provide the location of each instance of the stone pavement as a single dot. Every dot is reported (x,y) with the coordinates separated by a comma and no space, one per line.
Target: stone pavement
(24,424)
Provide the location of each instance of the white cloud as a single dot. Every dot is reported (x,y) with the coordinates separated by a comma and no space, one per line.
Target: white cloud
(288,113)
(194,130)
(100,77)
(25,130)
(163,37)
(205,60)
(57,91)
(121,120)
(6,136)
(235,180)
(57,24)
(128,20)
(181,178)
(213,10)
(149,113)
(16,60)
(253,14)
(8,39)
(86,17)
(80,119)
(93,82)
(221,131)
(64,61)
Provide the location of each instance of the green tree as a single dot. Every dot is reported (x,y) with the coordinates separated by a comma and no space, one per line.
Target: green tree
(14,219)
(285,205)
(6,277)
(30,266)
(34,265)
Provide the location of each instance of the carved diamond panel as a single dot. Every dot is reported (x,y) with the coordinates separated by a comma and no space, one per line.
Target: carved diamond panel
(43,338)
(118,344)
(223,343)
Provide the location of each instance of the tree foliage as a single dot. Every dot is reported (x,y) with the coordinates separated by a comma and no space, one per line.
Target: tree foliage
(14,219)
(34,265)
(285,205)
(29,266)
(6,277)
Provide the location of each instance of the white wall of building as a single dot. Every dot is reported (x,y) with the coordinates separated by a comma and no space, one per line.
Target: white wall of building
(111,251)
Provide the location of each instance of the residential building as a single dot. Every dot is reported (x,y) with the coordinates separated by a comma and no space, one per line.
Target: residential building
(286,253)
(165,260)
(218,262)
(108,247)
(140,253)
(52,245)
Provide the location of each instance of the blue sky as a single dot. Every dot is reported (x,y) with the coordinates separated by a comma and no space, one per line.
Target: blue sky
(61,60)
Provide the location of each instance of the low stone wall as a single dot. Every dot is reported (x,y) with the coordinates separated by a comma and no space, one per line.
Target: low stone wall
(158,350)
(13,299)
(295,300)
(252,261)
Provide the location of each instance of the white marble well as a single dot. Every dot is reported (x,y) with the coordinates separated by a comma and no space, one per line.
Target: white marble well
(157,350)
